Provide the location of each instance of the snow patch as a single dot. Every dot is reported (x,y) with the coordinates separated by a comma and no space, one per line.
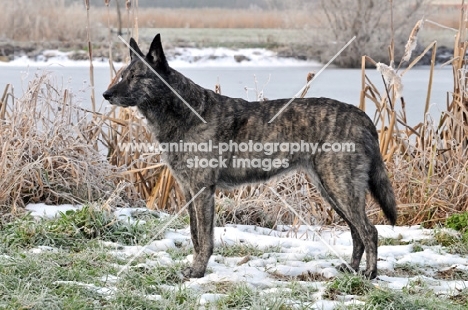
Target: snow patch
(48,211)
(287,253)
(177,57)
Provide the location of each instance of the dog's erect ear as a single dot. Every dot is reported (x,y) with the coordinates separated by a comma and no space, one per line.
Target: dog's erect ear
(134,45)
(156,54)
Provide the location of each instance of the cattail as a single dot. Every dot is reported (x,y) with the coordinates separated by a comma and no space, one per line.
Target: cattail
(86,2)
(412,41)
(106,2)
(218,89)
(309,78)
(128,4)
(391,77)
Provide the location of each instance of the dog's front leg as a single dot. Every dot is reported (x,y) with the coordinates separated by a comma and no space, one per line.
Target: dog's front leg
(201,212)
(193,221)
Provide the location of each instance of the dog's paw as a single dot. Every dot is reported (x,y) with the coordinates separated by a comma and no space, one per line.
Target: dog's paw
(346,268)
(370,274)
(190,273)
(187,272)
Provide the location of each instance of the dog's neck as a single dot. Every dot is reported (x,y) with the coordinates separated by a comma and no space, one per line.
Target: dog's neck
(166,106)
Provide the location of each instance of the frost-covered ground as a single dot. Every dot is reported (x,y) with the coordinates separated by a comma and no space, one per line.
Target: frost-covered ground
(285,254)
(178,58)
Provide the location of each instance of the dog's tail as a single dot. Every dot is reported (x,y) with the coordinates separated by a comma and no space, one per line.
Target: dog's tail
(381,189)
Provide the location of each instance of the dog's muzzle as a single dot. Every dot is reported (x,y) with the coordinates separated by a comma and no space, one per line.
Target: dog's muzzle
(107,95)
(116,100)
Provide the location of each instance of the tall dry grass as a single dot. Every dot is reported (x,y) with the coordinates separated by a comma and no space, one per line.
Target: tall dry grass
(48,152)
(428,163)
(42,21)
(54,21)
(145,171)
(215,18)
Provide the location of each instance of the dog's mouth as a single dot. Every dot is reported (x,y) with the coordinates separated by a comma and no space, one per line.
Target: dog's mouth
(122,105)
(115,100)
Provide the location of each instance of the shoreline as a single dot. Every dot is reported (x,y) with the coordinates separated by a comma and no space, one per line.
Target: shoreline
(177,56)
(298,44)
(183,54)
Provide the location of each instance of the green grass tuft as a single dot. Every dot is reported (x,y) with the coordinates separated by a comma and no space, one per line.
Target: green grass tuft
(244,249)
(348,285)
(71,229)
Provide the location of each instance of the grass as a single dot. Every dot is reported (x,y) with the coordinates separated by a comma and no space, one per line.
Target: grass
(240,249)
(456,241)
(388,299)
(68,280)
(80,272)
(67,276)
(71,268)
(458,222)
(241,296)
(371,297)
(392,241)
(71,228)
(348,285)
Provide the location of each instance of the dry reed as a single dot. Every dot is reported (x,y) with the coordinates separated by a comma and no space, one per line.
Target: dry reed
(150,177)
(90,54)
(46,154)
(412,41)
(427,162)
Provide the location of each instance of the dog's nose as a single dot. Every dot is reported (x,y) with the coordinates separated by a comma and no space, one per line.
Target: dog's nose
(107,95)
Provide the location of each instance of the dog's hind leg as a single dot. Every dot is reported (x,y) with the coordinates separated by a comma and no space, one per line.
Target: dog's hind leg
(369,236)
(364,234)
(358,248)
(201,212)
(346,193)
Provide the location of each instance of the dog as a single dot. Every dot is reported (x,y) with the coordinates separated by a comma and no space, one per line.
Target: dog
(214,141)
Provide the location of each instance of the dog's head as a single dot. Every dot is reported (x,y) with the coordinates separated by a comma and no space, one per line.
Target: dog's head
(141,79)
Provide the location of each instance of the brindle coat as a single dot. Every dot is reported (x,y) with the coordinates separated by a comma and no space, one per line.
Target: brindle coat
(341,177)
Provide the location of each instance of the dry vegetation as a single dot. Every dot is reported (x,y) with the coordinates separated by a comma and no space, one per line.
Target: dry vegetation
(43,158)
(428,162)
(52,20)
(49,152)
(39,21)
(211,18)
